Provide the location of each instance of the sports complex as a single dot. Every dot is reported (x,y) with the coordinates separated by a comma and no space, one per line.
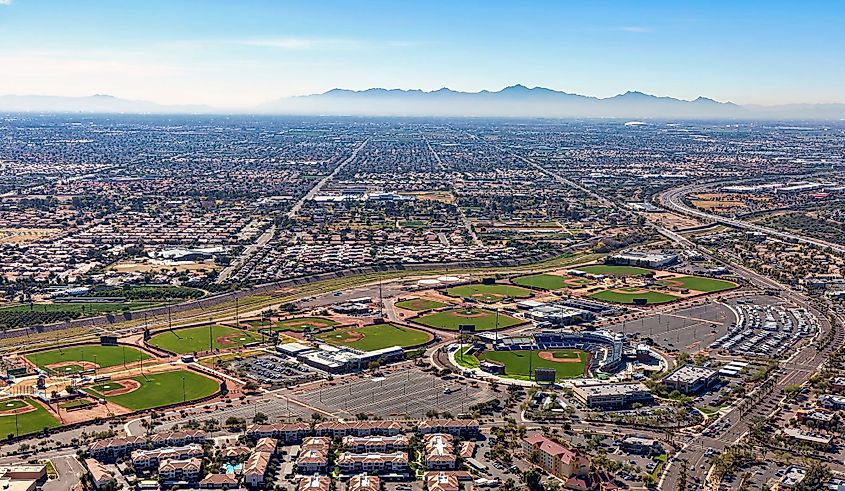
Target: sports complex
(625,284)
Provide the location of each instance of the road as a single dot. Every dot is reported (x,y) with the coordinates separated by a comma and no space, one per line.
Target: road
(316,189)
(673,200)
(246,254)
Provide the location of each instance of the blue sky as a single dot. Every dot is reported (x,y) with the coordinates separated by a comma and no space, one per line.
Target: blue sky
(239,53)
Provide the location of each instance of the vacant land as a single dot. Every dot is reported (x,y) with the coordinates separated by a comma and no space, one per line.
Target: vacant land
(160,389)
(614,270)
(376,337)
(620,295)
(102,356)
(202,338)
(698,283)
(420,304)
(488,293)
(520,364)
(451,320)
(31,418)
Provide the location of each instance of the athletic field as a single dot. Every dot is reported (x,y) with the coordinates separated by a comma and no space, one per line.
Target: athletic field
(299,324)
(156,389)
(196,339)
(32,418)
(614,270)
(627,295)
(698,283)
(568,363)
(488,293)
(420,304)
(552,281)
(482,319)
(62,360)
(376,337)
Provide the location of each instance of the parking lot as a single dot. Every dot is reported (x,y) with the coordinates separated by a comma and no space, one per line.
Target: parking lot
(689,329)
(766,326)
(273,371)
(402,390)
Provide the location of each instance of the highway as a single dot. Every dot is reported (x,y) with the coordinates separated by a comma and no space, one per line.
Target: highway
(673,200)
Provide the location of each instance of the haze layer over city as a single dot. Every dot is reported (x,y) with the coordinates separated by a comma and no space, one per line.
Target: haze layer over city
(443,246)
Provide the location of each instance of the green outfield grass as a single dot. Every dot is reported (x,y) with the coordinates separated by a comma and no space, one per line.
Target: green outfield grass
(298,324)
(488,293)
(104,356)
(544,281)
(371,338)
(162,389)
(195,339)
(519,364)
(30,422)
(615,296)
(613,270)
(420,304)
(451,320)
(699,283)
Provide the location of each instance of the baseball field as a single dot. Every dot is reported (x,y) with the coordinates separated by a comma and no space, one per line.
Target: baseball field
(568,363)
(489,293)
(156,389)
(299,324)
(552,281)
(371,338)
(74,359)
(31,418)
(614,270)
(698,283)
(420,304)
(202,338)
(482,319)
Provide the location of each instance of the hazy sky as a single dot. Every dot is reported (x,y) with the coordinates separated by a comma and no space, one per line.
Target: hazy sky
(237,53)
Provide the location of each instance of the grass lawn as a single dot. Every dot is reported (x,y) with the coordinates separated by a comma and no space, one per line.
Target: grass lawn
(419,304)
(614,270)
(162,389)
(466,361)
(519,363)
(451,320)
(298,324)
(194,339)
(488,293)
(31,422)
(544,281)
(104,356)
(699,283)
(371,338)
(628,298)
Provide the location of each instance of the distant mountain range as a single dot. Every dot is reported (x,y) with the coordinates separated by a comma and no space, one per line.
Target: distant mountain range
(513,101)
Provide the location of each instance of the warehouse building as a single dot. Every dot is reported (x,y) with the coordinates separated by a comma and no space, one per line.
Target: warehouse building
(642,259)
